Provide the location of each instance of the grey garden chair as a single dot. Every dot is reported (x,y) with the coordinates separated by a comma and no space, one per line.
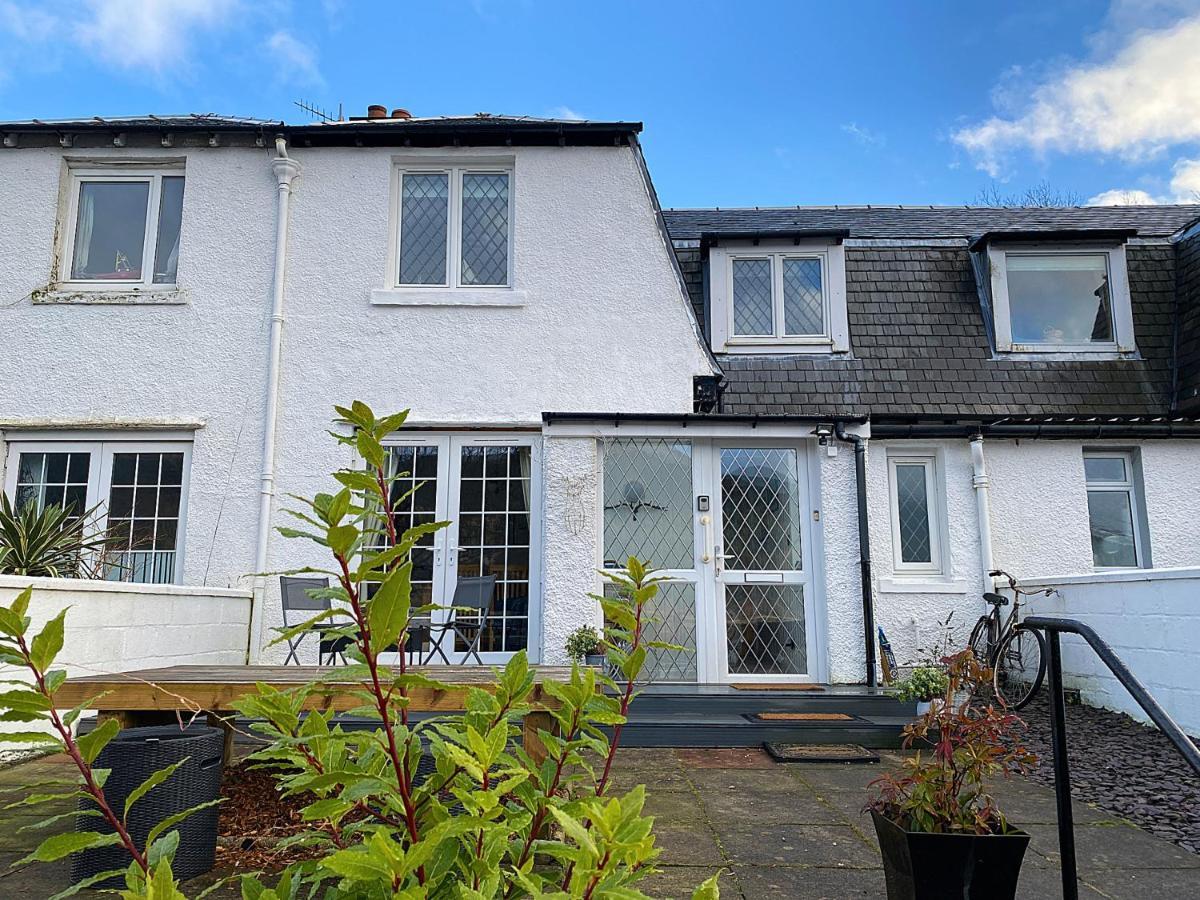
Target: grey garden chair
(472,605)
(294,592)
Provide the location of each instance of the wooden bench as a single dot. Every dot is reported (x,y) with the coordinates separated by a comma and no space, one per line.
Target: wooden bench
(146,696)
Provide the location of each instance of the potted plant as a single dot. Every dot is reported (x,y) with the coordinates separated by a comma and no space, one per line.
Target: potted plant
(940,832)
(924,684)
(584,645)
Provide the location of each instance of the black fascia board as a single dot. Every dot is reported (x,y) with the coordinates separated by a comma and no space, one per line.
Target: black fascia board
(481,133)
(698,418)
(1051,235)
(713,238)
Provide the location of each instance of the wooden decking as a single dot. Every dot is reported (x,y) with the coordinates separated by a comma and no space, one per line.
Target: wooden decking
(137,697)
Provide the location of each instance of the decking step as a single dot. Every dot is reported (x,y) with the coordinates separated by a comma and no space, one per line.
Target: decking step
(734,730)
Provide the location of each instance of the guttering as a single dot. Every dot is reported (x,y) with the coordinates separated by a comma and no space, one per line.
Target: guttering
(983,509)
(286,170)
(1052,234)
(1042,430)
(864,545)
(695,418)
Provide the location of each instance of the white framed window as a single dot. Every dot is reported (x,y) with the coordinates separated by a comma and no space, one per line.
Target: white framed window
(138,490)
(917,514)
(122,229)
(453,227)
(1061,299)
(775,296)
(1116,515)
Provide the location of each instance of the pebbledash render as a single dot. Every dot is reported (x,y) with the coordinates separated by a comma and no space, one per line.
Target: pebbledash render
(185,298)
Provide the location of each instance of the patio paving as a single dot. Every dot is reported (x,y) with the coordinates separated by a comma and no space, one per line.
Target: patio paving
(786,831)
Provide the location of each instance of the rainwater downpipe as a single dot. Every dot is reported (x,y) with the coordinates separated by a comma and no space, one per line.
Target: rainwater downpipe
(983,509)
(286,170)
(864,545)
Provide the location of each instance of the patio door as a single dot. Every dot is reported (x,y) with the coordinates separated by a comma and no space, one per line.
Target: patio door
(488,488)
(762,592)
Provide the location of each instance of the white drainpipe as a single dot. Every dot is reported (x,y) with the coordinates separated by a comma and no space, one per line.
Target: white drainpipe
(286,170)
(983,513)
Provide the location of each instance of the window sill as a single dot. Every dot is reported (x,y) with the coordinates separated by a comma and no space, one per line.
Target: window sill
(64,296)
(825,348)
(406,296)
(922,584)
(1053,354)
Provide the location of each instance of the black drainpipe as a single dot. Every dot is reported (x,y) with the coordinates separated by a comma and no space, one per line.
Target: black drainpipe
(864,544)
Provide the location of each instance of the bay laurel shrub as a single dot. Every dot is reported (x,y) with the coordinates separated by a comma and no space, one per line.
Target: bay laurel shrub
(482,818)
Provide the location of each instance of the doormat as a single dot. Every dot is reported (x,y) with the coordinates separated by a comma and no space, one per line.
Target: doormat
(777,687)
(801,717)
(820,753)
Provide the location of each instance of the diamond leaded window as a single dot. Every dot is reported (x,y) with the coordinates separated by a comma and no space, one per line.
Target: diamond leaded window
(455,228)
(915,514)
(778,296)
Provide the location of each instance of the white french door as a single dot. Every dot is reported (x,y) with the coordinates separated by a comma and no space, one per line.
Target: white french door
(727,522)
(488,487)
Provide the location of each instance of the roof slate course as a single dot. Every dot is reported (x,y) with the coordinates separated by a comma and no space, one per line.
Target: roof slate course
(925,222)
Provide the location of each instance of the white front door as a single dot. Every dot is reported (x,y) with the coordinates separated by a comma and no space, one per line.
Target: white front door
(488,488)
(762,588)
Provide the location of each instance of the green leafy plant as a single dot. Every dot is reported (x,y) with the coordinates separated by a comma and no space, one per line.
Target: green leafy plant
(941,787)
(32,703)
(923,684)
(51,542)
(584,641)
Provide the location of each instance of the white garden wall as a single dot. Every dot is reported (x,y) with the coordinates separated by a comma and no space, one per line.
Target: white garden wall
(1151,618)
(114,627)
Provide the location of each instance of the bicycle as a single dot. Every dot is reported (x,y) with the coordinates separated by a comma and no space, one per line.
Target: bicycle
(1016,655)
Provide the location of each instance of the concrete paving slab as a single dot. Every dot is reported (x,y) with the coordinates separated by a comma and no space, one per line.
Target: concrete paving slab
(1116,846)
(774,808)
(678,882)
(684,845)
(768,883)
(1142,884)
(828,846)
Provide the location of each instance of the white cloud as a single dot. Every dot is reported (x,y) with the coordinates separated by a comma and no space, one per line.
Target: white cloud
(1141,101)
(1185,180)
(864,135)
(299,60)
(1184,188)
(27,24)
(1118,197)
(147,34)
(565,112)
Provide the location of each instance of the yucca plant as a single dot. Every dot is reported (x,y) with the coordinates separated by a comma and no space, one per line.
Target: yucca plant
(51,542)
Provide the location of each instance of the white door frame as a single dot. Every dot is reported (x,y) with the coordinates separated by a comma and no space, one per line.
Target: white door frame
(446,541)
(711,623)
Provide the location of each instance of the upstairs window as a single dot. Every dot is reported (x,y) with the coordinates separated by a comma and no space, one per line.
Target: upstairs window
(1115,513)
(1073,301)
(454,228)
(778,298)
(123,228)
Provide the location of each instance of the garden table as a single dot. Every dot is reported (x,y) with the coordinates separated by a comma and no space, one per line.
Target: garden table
(145,696)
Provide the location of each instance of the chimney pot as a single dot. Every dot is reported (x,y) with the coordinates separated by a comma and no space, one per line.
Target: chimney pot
(401,114)
(376,111)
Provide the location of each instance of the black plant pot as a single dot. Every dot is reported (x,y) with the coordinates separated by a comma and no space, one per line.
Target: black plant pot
(921,866)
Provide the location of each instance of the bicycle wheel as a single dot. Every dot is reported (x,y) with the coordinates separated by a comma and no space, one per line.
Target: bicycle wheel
(978,644)
(1020,667)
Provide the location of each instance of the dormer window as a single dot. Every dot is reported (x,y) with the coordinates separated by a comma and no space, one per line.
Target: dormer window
(773,297)
(1049,299)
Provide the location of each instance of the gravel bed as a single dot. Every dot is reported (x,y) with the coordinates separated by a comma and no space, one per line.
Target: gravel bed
(1121,766)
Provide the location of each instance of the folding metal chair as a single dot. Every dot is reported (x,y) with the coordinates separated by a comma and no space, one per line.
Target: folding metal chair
(294,592)
(472,598)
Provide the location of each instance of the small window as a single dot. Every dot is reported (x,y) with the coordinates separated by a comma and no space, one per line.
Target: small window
(1061,301)
(124,229)
(454,228)
(138,491)
(916,514)
(1114,510)
(778,297)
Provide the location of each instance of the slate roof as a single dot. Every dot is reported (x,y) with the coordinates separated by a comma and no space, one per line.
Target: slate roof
(919,348)
(925,222)
(147,122)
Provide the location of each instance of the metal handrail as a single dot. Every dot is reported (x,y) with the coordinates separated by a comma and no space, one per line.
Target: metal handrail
(1053,626)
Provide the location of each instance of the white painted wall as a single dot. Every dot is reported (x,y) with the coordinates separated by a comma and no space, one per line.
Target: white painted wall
(1151,619)
(123,627)
(606,326)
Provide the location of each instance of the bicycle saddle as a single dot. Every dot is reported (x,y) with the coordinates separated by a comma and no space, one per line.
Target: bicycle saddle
(996,599)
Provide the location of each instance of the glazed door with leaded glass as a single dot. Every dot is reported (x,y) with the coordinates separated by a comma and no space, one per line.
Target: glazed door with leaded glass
(763,596)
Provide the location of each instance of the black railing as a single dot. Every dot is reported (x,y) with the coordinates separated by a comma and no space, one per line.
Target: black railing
(1053,626)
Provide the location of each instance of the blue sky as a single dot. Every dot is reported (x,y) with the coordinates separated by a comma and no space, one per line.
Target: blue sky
(747,103)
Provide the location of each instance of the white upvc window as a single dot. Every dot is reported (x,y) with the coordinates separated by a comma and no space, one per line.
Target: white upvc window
(138,490)
(122,229)
(771,297)
(1116,516)
(917,514)
(1067,300)
(453,227)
